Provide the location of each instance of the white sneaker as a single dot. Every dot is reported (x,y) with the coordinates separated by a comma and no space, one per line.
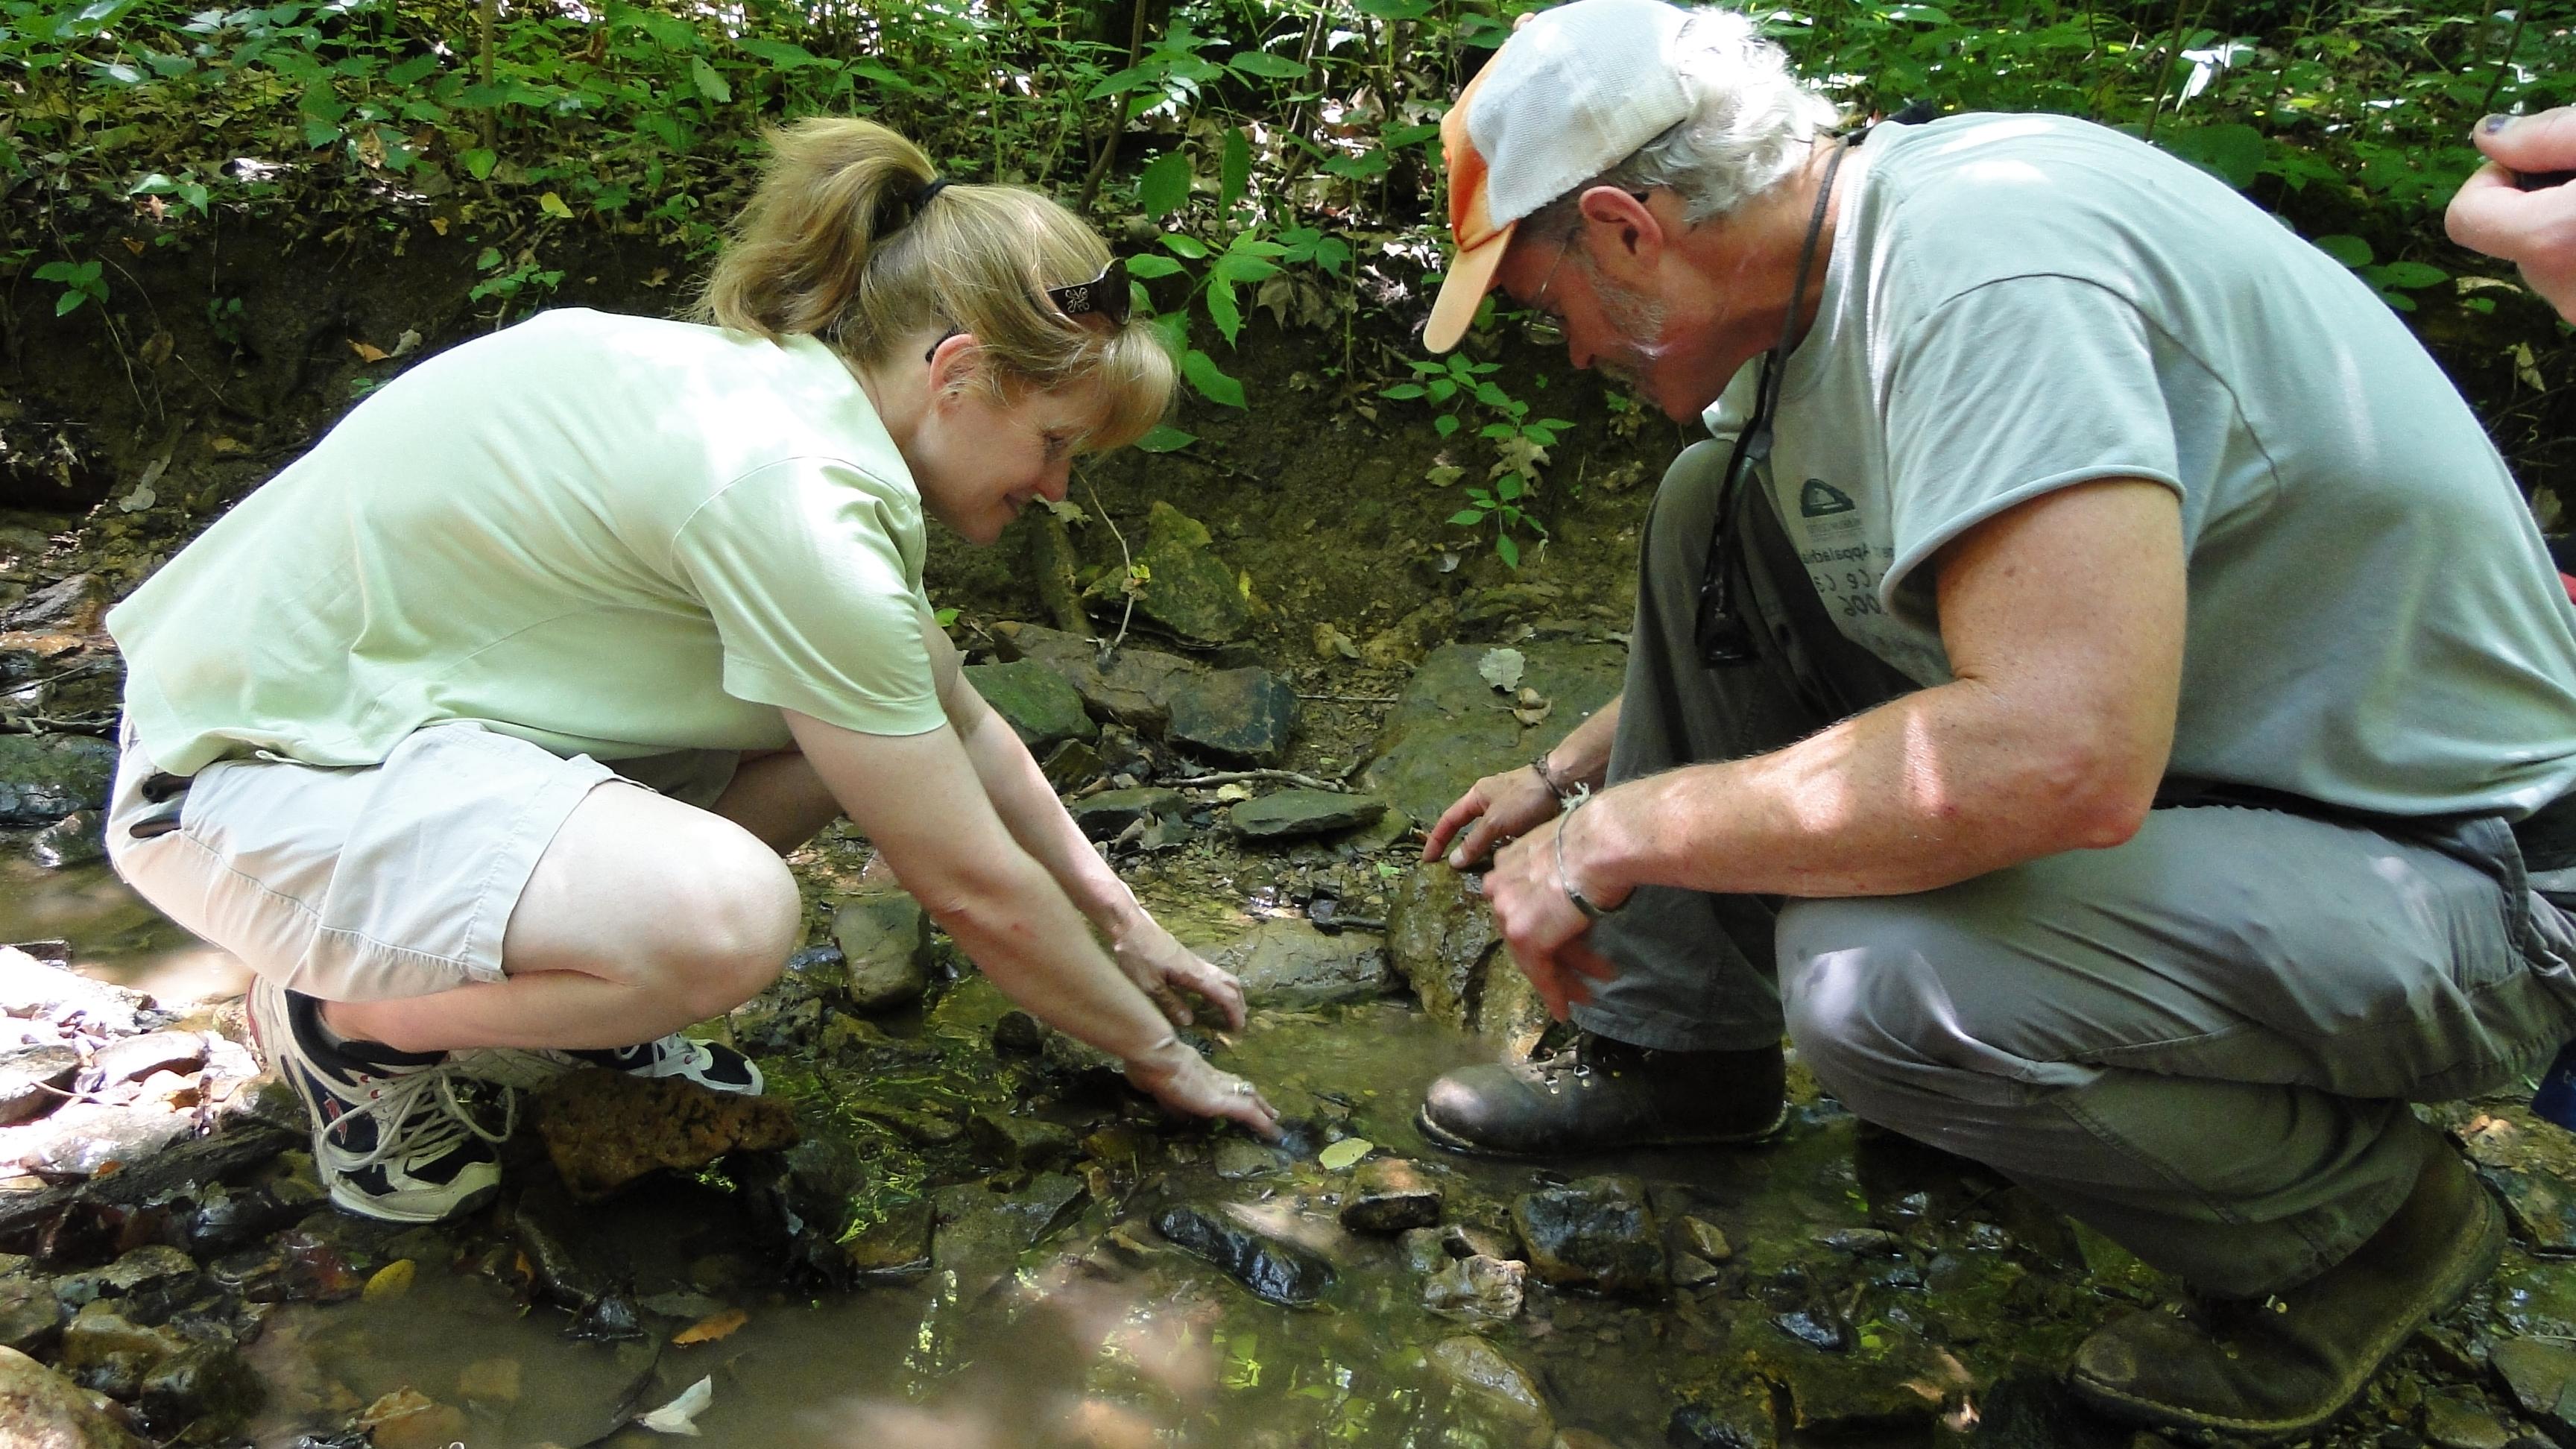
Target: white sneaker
(394,1133)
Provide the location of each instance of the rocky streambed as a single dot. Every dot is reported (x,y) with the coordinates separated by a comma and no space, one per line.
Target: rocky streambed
(947,1225)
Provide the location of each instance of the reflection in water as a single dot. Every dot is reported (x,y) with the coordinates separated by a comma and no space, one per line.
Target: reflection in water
(113,934)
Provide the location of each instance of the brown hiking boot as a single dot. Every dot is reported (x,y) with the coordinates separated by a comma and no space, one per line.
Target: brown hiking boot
(2285,1364)
(1600,1095)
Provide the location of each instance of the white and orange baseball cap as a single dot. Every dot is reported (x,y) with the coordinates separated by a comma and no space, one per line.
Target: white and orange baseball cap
(1574,92)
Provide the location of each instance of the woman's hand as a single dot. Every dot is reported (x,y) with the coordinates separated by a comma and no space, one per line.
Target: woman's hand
(1164,969)
(2493,214)
(1182,1081)
(1499,808)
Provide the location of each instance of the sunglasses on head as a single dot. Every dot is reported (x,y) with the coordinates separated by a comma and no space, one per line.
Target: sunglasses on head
(1106,295)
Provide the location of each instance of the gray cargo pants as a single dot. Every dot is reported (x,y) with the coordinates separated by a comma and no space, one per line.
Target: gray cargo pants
(2201,1042)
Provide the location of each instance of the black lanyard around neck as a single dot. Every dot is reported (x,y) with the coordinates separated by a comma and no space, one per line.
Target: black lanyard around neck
(1721,633)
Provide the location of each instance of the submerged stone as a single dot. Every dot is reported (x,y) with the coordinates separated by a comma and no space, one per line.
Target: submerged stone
(76,839)
(2540,1209)
(1295,814)
(981,1233)
(2540,1373)
(1479,1372)
(1240,716)
(1284,961)
(1705,1239)
(1270,1270)
(1390,1195)
(896,1245)
(207,1392)
(1030,1142)
(1040,705)
(2451,1422)
(1596,1233)
(1481,1291)
(30,1314)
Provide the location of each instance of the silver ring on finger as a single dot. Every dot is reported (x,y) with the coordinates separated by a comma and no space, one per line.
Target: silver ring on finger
(1243,1089)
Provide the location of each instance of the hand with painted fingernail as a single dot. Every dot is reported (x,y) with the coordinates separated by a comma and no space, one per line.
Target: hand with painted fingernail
(2506,210)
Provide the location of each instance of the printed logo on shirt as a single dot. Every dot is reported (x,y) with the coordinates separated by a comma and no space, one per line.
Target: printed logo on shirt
(1820,499)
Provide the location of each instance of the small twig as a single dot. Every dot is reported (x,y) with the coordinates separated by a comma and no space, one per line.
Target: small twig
(1238,777)
(1127,561)
(1354,698)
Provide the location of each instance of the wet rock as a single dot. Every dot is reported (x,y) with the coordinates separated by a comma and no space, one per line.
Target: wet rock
(1240,716)
(1284,961)
(1440,938)
(1031,1142)
(2540,1209)
(409,1419)
(1019,1033)
(1480,1291)
(1895,1390)
(98,1333)
(207,1393)
(1104,815)
(1271,1270)
(2538,1373)
(1389,1195)
(490,1381)
(1072,765)
(48,991)
(146,1285)
(46,777)
(603,1130)
(885,950)
(1477,1371)
(1817,1330)
(41,1409)
(1085,1063)
(30,1314)
(1740,1421)
(1596,1233)
(1467,1240)
(1135,687)
(34,1079)
(131,1059)
(1294,814)
(1041,706)
(1704,1239)
(1451,727)
(1423,1250)
(981,1233)
(2455,1423)
(76,839)
(84,1138)
(1693,1271)
(921,1127)
(894,1245)
(1241,1157)
(1858,1242)
(1188,590)
(296,1267)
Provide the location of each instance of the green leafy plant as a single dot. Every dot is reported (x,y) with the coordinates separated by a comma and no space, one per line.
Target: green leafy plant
(80,281)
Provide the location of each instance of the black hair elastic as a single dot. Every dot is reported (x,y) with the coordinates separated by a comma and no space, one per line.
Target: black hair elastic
(929,189)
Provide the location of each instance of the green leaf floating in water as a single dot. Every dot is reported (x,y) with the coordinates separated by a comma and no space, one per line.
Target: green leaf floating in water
(1345,1153)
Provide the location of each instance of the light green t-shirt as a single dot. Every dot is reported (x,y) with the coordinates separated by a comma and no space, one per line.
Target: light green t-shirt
(2016,304)
(608,535)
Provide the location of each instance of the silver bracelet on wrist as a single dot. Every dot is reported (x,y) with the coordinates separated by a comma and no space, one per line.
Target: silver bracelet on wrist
(1582,795)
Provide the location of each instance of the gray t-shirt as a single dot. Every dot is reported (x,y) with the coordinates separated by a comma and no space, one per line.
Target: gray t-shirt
(2019,303)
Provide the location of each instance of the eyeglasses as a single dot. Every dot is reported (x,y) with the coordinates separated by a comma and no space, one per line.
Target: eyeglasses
(1545,327)
(1106,295)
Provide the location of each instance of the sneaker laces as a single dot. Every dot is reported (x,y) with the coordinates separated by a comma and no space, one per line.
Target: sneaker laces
(445,1122)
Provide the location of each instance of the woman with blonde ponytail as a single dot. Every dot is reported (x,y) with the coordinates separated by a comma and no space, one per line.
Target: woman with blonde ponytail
(479,731)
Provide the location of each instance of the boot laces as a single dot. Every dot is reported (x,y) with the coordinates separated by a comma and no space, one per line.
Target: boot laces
(423,1113)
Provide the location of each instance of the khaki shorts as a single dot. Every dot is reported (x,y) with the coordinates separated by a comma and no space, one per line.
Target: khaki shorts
(374,882)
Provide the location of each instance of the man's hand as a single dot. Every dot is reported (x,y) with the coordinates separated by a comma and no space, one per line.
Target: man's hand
(1181,1080)
(1538,919)
(1495,809)
(1163,969)
(2536,229)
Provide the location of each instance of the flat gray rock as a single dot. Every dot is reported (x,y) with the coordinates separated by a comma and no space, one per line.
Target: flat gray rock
(1295,814)
(34,1079)
(1287,962)
(1240,716)
(1104,815)
(885,949)
(1188,589)
(46,777)
(1451,727)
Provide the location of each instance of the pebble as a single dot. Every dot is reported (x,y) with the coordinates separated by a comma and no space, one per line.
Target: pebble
(1390,1195)
(1596,1233)
(1703,1238)
(1273,1271)
(1477,1291)
(1479,1370)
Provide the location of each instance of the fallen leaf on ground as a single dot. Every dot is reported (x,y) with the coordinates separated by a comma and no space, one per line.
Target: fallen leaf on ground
(368,351)
(680,1416)
(1344,1153)
(712,1327)
(393,1280)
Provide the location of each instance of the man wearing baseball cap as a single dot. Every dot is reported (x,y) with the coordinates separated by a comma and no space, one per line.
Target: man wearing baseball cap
(2106,700)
